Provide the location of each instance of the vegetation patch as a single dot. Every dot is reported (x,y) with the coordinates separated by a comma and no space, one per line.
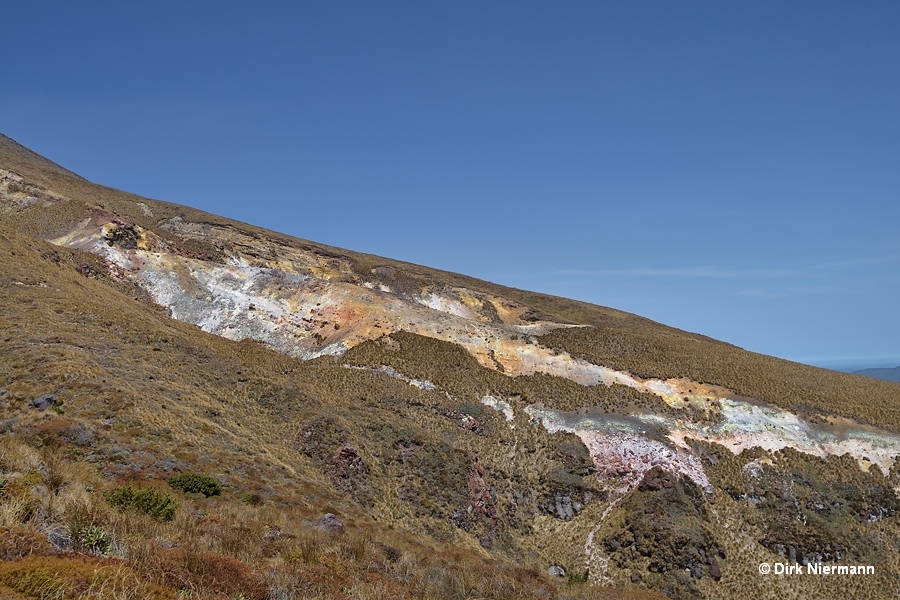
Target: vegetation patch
(814,510)
(92,539)
(195,483)
(149,501)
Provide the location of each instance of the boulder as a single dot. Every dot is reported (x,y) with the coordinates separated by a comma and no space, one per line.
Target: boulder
(44,402)
(714,570)
(556,571)
(330,523)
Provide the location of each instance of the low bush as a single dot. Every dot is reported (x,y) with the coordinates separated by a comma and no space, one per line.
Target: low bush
(155,503)
(95,540)
(576,577)
(251,499)
(194,483)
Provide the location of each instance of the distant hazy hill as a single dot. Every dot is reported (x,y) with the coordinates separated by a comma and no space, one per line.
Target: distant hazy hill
(886,374)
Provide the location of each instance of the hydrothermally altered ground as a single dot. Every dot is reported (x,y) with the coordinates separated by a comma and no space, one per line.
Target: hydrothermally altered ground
(307,306)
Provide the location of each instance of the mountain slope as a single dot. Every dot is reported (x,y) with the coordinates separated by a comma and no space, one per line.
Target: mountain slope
(427,409)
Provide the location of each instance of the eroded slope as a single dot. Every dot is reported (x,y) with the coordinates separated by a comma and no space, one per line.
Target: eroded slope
(528,427)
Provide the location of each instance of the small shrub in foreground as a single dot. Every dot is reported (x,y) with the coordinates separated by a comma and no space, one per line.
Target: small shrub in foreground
(95,540)
(194,483)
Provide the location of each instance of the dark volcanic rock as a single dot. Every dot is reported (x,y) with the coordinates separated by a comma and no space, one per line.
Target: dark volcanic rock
(44,402)
(60,539)
(714,570)
(664,521)
(567,494)
(807,512)
(80,436)
(330,523)
(326,442)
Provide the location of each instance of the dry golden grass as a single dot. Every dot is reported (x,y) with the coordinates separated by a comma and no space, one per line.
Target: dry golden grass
(216,548)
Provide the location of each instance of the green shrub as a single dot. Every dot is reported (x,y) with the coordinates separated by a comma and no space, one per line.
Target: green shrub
(194,483)
(90,538)
(576,577)
(251,499)
(94,539)
(155,503)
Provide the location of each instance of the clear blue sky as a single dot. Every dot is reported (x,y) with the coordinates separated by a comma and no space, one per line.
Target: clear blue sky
(727,169)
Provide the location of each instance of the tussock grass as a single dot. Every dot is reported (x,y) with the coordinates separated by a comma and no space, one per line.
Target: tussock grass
(220,548)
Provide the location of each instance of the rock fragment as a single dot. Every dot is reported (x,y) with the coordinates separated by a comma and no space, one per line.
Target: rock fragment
(330,523)
(556,571)
(44,402)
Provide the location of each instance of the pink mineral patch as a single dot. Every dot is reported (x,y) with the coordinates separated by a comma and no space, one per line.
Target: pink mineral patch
(622,454)
(624,458)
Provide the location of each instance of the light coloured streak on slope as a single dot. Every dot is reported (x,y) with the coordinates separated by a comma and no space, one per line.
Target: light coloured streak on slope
(499,405)
(422,384)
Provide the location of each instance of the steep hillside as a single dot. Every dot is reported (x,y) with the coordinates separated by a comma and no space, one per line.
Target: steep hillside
(474,440)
